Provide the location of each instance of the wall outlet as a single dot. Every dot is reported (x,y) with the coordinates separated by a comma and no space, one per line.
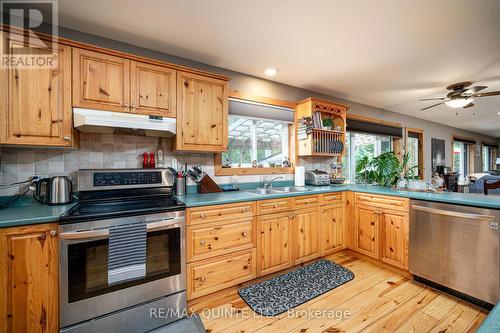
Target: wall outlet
(174,163)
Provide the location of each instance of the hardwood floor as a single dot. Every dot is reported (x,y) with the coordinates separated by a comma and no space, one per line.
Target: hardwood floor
(376,300)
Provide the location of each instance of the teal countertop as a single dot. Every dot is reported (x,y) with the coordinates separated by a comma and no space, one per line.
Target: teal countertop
(28,211)
(467,199)
(492,323)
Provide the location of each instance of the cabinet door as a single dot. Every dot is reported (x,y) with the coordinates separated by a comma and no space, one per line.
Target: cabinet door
(332,228)
(152,89)
(367,233)
(394,238)
(100,81)
(202,104)
(29,265)
(274,250)
(305,230)
(36,101)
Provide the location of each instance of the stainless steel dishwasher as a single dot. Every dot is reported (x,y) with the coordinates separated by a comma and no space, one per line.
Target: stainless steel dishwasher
(457,247)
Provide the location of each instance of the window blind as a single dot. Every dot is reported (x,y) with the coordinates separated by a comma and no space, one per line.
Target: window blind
(250,109)
(373,128)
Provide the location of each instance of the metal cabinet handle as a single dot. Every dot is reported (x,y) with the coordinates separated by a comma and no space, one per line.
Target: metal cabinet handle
(243,210)
(202,279)
(244,233)
(202,215)
(452,213)
(202,243)
(275,206)
(67,138)
(53,233)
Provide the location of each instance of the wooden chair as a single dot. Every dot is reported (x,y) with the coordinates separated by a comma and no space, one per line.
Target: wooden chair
(491,186)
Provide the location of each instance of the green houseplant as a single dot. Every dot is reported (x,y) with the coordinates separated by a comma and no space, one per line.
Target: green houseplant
(328,123)
(383,169)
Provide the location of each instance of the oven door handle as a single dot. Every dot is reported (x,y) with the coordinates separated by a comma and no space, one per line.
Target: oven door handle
(104,233)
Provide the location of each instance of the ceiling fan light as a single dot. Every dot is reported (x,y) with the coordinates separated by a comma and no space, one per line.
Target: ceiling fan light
(459,102)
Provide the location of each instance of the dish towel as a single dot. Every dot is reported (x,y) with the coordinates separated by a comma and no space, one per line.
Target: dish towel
(127,252)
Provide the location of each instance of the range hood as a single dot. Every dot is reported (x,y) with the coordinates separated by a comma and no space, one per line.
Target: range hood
(97,121)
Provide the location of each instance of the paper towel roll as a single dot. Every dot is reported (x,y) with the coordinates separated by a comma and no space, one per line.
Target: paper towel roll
(299,176)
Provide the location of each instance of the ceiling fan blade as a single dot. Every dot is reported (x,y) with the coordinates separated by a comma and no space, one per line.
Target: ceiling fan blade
(432,99)
(469,105)
(473,90)
(490,93)
(431,106)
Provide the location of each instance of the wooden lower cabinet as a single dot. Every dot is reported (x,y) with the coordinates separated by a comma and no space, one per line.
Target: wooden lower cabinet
(274,243)
(214,239)
(207,276)
(305,233)
(366,219)
(332,230)
(29,278)
(394,234)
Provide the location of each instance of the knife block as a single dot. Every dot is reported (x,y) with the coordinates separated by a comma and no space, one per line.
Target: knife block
(208,185)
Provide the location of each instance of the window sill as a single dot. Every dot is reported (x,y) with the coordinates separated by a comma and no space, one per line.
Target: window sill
(220,171)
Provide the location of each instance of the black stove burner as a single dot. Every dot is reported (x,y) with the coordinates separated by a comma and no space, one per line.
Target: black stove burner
(109,204)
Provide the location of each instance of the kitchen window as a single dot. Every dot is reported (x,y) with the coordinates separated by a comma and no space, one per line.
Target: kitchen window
(359,145)
(463,157)
(414,148)
(489,156)
(258,139)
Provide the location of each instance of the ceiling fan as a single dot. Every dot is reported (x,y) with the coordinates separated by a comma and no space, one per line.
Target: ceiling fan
(461,95)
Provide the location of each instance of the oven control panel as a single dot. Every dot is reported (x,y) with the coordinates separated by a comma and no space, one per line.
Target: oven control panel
(127,178)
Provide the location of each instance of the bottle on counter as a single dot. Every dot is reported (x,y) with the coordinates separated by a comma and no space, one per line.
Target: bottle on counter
(152,163)
(145,161)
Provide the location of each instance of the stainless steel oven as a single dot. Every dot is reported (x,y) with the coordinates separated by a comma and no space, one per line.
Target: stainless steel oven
(88,302)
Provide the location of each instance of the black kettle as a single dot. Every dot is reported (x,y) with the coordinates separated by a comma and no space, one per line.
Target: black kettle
(54,191)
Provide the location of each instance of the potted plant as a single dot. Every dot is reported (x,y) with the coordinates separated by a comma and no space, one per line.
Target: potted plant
(327,123)
(383,170)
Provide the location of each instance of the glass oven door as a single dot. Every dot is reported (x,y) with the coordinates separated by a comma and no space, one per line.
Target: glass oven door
(84,269)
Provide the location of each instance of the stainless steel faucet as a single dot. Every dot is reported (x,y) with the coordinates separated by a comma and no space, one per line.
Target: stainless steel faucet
(269,183)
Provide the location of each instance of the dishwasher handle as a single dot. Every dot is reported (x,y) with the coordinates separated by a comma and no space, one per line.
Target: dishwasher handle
(454,214)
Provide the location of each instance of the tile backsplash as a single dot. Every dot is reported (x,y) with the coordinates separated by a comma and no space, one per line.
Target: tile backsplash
(104,151)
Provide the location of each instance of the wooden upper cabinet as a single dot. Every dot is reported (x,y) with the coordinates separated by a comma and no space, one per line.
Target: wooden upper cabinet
(152,89)
(29,278)
(367,230)
(305,230)
(36,101)
(100,81)
(394,230)
(202,111)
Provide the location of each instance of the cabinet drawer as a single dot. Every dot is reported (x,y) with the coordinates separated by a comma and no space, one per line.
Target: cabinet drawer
(306,201)
(274,205)
(219,238)
(331,198)
(382,201)
(215,213)
(208,276)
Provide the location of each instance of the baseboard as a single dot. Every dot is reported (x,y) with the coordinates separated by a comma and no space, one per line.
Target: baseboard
(382,264)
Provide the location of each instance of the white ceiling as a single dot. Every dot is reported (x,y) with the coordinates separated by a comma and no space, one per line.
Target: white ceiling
(385,53)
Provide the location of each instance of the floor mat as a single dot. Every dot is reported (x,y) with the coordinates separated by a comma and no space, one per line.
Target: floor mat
(275,296)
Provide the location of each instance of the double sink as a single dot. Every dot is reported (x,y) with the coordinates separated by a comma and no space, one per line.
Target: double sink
(276,190)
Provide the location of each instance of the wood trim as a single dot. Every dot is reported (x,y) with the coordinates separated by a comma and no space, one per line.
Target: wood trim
(421,149)
(108,51)
(261,99)
(373,120)
(320,100)
(462,138)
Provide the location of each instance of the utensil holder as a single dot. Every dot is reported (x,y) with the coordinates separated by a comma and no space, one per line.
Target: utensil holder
(180,186)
